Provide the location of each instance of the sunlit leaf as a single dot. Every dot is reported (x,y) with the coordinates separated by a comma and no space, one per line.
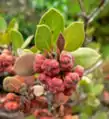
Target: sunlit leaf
(3,24)
(55,21)
(17,39)
(85,85)
(93,101)
(86,57)
(97,89)
(84,116)
(34,49)
(27,42)
(74,36)
(43,37)
(13,24)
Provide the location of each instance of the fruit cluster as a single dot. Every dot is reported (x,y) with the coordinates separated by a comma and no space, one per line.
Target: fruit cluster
(10,102)
(6,62)
(58,75)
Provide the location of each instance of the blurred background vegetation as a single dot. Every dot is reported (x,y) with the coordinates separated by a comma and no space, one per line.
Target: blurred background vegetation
(28,13)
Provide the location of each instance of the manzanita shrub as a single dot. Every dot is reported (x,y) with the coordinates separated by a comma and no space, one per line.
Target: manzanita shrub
(48,80)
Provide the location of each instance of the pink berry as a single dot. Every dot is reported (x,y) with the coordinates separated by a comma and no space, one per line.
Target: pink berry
(57,85)
(57,82)
(11,96)
(73,76)
(71,80)
(66,61)
(11,106)
(80,70)
(51,67)
(68,91)
(44,78)
(39,59)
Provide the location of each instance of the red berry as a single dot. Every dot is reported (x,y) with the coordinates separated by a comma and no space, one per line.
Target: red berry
(68,82)
(68,91)
(57,85)
(11,106)
(39,59)
(57,81)
(73,76)
(11,96)
(44,78)
(51,67)
(71,80)
(80,70)
(66,61)
(5,62)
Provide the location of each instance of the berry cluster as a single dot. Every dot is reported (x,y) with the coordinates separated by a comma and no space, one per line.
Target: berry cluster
(58,75)
(10,102)
(43,114)
(6,61)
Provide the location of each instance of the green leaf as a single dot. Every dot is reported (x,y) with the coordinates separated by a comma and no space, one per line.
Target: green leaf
(43,37)
(97,89)
(34,49)
(101,115)
(13,24)
(3,24)
(85,85)
(27,42)
(6,38)
(17,39)
(55,21)
(86,57)
(30,117)
(84,116)
(93,101)
(74,36)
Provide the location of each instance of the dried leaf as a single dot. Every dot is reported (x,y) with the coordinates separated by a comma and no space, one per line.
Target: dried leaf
(60,42)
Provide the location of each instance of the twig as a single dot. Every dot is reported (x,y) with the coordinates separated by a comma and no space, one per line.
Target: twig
(82,7)
(97,10)
(89,18)
(98,64)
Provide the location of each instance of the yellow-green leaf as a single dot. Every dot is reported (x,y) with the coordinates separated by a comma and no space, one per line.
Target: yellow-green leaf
(3,24)
(43,37)
(27,41)
(86,57)
(55,21)
(13,24)
(17,39)
(74,36)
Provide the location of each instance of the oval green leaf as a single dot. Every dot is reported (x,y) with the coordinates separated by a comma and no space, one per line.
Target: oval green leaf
(86,57)
(55,21)
(43,37)
(17,39)
(74,36)
(3,24)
